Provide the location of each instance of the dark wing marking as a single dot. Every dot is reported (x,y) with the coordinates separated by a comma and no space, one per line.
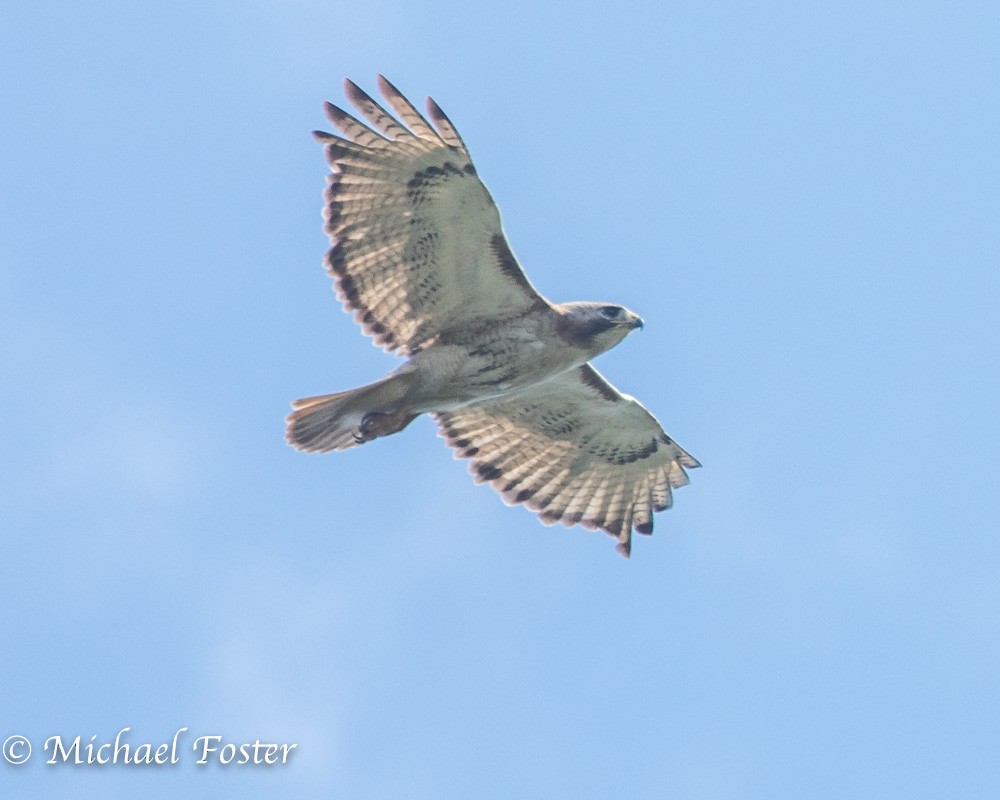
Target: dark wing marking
(418,247)
(575,450)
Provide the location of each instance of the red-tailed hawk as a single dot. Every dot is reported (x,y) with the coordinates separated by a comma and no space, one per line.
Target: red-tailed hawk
(419,255)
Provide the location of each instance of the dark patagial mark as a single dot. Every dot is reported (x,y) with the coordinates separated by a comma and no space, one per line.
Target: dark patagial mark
(592,379)
(507,263)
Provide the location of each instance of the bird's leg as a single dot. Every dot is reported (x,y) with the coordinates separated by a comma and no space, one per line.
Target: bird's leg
(376,424)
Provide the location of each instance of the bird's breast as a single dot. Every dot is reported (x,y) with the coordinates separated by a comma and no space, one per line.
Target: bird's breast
(495,361)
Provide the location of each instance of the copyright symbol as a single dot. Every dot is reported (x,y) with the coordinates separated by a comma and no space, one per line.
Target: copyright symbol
(17,749)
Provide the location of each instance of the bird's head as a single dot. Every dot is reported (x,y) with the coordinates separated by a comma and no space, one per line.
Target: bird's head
(596,327)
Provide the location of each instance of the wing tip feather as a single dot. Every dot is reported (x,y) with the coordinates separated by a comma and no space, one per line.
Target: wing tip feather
(385,86)
(688,460)
(358,96)
(445,127)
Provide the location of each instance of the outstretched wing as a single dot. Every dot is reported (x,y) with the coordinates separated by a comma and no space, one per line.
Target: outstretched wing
(574,449)
(417,242)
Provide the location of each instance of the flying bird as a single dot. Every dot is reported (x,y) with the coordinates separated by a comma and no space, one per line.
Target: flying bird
(419,256)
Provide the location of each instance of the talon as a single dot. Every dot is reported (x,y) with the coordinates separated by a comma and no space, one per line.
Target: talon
(365,426)
(376,424)
(366,430)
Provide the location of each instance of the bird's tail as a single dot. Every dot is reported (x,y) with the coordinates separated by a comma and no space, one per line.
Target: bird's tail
(347,419)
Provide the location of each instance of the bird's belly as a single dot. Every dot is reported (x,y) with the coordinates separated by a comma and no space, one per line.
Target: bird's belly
(454,376)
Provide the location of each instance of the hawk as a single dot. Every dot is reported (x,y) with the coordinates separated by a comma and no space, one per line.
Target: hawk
(419,255)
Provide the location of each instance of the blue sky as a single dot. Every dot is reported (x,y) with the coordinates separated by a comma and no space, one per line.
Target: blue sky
(800,199)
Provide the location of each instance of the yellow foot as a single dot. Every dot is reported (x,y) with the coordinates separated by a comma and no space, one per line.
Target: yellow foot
(377,424)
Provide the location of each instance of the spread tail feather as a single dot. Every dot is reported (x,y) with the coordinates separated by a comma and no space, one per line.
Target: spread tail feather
(346,419)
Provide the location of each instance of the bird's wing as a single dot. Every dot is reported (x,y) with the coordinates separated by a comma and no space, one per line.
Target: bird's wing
(575,450)
(417,245)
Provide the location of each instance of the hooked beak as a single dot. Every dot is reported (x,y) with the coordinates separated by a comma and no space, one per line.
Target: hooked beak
(636,320)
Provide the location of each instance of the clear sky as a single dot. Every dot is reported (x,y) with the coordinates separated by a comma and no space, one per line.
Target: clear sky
(801,199)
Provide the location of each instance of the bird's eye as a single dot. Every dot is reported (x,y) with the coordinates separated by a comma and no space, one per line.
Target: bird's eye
(611,312)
